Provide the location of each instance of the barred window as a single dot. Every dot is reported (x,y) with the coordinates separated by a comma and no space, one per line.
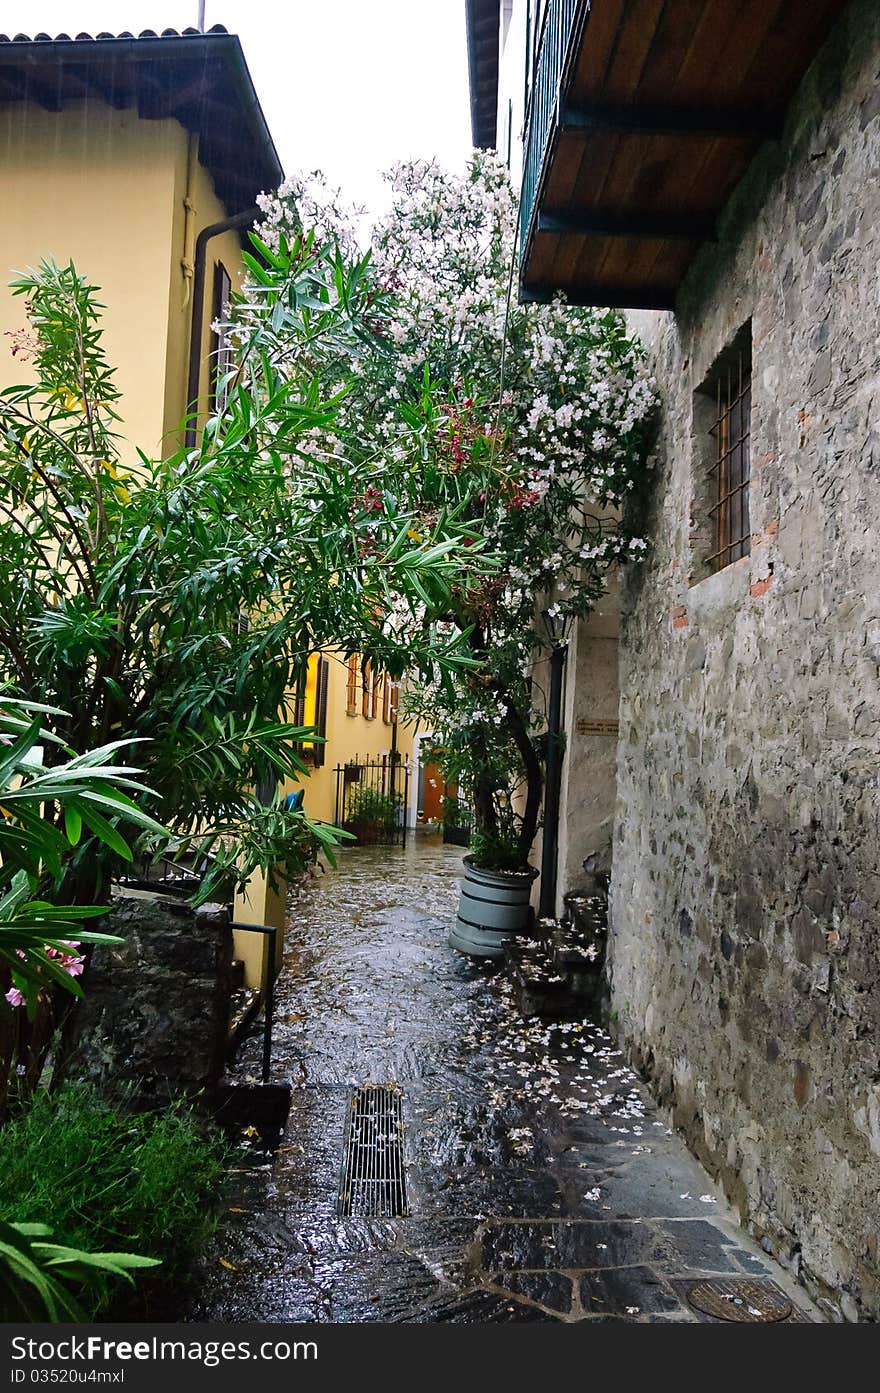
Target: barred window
(722,411)
(730,469)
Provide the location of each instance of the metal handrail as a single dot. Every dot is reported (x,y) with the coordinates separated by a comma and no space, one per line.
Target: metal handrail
(562,19)
(268,931)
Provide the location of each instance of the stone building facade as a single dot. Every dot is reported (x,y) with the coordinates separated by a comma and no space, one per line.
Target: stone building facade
(745,971)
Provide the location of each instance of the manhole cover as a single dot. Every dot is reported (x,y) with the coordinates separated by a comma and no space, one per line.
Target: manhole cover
(740,1298)
(373,1180)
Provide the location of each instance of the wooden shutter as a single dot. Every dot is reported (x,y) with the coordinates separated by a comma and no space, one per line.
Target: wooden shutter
(386,699)
(394,701)
(299,703)
(351,691)
(323,683)
(368,706)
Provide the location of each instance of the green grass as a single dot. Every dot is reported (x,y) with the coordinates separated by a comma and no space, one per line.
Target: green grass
(106,1178)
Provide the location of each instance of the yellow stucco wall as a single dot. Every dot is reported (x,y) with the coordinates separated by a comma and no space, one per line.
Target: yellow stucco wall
(348,737)
(106,189)
(96,186)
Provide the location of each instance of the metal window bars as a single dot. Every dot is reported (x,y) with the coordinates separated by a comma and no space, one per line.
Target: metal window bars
(730,471)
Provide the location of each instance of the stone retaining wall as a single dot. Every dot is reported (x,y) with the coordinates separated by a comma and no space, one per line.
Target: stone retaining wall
(156,1008)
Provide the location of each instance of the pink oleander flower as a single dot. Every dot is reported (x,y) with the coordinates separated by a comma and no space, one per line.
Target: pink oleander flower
(15,997)
(72,966)
(57,953)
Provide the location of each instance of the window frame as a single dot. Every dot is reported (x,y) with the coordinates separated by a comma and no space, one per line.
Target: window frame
(322,687)
(221,344)
(723,429)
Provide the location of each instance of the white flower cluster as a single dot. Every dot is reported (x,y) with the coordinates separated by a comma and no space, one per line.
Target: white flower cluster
(567,417)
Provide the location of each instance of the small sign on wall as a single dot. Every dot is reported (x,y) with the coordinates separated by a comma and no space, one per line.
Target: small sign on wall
(610,728)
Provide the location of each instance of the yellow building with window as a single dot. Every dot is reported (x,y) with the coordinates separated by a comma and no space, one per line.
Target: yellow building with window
(140,159)
(355,710)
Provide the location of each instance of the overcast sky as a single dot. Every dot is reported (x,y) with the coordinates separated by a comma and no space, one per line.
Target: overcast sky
(348,86)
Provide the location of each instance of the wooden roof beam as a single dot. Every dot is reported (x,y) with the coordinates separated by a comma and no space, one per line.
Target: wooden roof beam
(606,296)
(30,86)
(694,125)
(163,100)
(95,84)
(651,227)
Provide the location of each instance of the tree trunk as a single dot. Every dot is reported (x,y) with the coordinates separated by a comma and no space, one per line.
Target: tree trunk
(533,769)
(485,816)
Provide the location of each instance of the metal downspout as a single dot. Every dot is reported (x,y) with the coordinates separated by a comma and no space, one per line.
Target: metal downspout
(189,216)
(553,786)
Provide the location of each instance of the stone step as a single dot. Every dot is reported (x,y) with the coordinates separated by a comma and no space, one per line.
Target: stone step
(587,913)
(541,987)
(558,973)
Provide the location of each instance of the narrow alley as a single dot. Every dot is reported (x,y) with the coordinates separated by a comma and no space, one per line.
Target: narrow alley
(540,1183)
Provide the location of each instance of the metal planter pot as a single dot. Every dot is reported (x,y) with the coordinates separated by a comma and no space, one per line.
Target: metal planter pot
(494,906)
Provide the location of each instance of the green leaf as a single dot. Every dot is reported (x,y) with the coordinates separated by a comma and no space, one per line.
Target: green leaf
(12,757)
(72,823)
(105,831)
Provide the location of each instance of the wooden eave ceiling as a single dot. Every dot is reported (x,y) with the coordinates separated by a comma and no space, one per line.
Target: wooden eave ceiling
(200,80)
(663,105)
(483,21)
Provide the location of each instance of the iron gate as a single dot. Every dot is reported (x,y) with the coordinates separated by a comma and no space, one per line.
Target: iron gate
(372,798)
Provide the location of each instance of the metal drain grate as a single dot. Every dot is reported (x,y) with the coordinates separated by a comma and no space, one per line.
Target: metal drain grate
(373,1179)
(740,1299)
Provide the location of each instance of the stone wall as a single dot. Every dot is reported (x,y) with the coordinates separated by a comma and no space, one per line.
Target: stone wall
(156,1007)
(745,972)
(589,767)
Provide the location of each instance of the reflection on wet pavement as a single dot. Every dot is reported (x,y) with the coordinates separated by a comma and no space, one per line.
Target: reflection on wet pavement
(542,1186)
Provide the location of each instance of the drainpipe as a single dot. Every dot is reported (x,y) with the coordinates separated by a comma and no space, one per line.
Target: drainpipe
(189,217)
(553,785)
(392,785)
(236,223)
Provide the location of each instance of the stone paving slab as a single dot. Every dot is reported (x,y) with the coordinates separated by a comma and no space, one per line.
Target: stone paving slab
(542,1184)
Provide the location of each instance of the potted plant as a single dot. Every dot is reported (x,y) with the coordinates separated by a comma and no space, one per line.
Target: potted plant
(494,903)
(456,820)
(371,814)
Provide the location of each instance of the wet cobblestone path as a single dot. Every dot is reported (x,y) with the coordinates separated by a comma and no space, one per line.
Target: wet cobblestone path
(541,1184)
